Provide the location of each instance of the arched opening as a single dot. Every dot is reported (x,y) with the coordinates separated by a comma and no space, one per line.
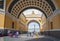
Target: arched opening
(32,8)
(34,19)
(19,13)
(33,27)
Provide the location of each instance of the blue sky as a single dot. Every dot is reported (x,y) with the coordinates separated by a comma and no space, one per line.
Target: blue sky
(33,25)
(29,11)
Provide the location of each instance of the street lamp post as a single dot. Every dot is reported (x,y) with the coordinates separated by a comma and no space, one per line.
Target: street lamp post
(34,28)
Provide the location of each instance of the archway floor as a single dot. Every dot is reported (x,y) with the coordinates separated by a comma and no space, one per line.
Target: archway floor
(24,37)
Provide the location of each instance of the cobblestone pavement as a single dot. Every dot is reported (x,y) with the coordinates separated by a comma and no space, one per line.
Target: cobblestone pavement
(28,38)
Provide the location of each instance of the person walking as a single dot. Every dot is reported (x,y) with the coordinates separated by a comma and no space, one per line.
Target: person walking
(17,34)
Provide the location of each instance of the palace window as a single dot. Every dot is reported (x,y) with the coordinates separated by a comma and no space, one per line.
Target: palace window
(12,24)
(1,4)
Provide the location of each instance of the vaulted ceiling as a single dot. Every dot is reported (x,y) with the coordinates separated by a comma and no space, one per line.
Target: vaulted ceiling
(16,7)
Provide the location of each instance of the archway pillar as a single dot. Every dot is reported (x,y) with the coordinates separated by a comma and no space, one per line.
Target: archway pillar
(55,19)
(2,18)
(55,26)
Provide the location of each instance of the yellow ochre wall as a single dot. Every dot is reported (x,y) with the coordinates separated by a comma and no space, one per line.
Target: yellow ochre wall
(2,20)
(22,21)
(19,24)
(56,22)
(8,22)
(57,3)
(7,3)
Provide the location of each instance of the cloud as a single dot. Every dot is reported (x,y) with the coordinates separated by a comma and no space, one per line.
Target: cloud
(29,11)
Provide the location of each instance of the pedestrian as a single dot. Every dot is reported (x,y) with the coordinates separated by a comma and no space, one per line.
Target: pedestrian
(10,34)
(17,34)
